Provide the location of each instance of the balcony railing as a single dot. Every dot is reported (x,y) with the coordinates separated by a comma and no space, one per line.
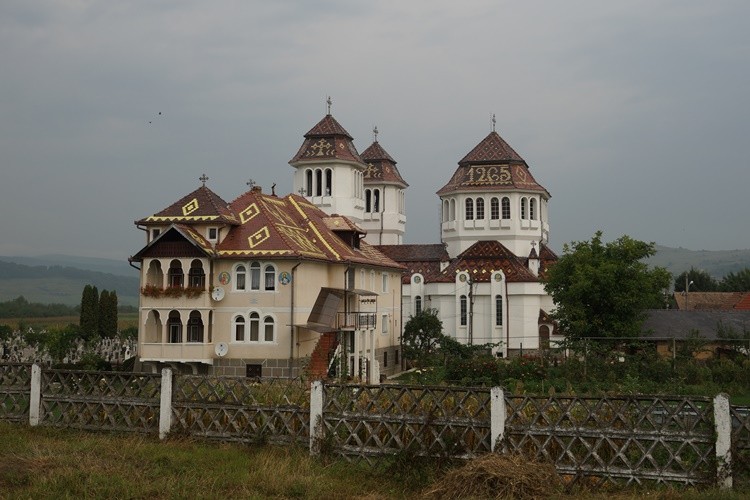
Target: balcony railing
(356,320)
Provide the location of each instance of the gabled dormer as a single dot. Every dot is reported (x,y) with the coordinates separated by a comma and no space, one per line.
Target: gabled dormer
(204,211)
(329,171)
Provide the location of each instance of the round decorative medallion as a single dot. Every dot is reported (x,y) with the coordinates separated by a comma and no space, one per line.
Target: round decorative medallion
(462,278)
(417,279)
(224,278)
(498,277)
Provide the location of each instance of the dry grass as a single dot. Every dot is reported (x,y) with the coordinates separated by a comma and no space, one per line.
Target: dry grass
(498,476)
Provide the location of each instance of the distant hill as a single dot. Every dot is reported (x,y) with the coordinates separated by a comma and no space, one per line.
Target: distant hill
(109,266)
(717,263)
(55,284)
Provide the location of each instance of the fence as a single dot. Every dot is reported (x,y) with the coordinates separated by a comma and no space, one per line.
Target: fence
(643,439)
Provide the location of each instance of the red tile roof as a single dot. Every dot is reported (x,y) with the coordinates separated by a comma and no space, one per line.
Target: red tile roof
(291,227)
(327,140)
(202,205)
(271,227)
(484,257)
(433,252)
(492,149)
(492,165)
(381,168)
(720,301)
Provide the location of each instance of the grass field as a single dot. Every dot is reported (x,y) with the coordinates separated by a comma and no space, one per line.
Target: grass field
(124,320)
(51,463)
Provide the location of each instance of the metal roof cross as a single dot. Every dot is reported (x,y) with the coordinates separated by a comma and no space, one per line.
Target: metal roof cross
(203,178)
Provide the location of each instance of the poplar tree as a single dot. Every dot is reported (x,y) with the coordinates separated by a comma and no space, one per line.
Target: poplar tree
(89,311)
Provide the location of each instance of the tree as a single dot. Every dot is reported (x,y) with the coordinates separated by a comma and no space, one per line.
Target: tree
(107,314)
(422,336)
(701,281)
(89,311)
(736,282)
(603,290)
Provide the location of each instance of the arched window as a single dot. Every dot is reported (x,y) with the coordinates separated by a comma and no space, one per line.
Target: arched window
(453,209)
(368,201)
(196,276)
(446,212)
(524,208)
(376,200)
(239,277)
(506,208)
(469,209)
(270,275)
(544,337)
(254,276)
(480,208)
(494,208)
(239,329)
(498,310)
(464,310)
(155,276)
(175,274)
(532,208)
(329,182)
(308,182)
(318,182)
(254,326)
(269,329)
(174,327)
(417,305)
(195,327)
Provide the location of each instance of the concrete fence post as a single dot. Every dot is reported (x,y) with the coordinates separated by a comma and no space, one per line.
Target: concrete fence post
(35,397)
(316,416)
(723,422)
(165,403)
(497,418)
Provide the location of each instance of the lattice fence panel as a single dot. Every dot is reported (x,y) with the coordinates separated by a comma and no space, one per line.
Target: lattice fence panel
(623,440)
(15,388)
(740,444)
(118,401)
(367,421)
(241,409)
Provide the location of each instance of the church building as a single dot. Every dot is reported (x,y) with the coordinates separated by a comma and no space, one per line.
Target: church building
(320,283)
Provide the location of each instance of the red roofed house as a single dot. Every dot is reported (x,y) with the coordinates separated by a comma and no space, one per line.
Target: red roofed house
(265,286)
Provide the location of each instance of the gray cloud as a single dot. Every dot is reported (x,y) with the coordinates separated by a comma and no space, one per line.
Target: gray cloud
(633,115)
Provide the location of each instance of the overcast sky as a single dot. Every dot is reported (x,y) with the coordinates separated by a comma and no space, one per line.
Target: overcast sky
(633,114)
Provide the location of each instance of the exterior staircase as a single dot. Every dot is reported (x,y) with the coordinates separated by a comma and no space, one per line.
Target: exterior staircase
(321,356)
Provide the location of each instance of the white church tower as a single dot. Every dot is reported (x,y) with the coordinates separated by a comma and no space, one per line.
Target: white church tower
(384,217)
(493,196)
(329,171)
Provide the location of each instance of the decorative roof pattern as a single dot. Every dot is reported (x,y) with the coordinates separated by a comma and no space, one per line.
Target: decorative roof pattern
(483,258)
(492,149)
(327,140)
(492,166)
(291,227)
(202,205)
(381,168)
